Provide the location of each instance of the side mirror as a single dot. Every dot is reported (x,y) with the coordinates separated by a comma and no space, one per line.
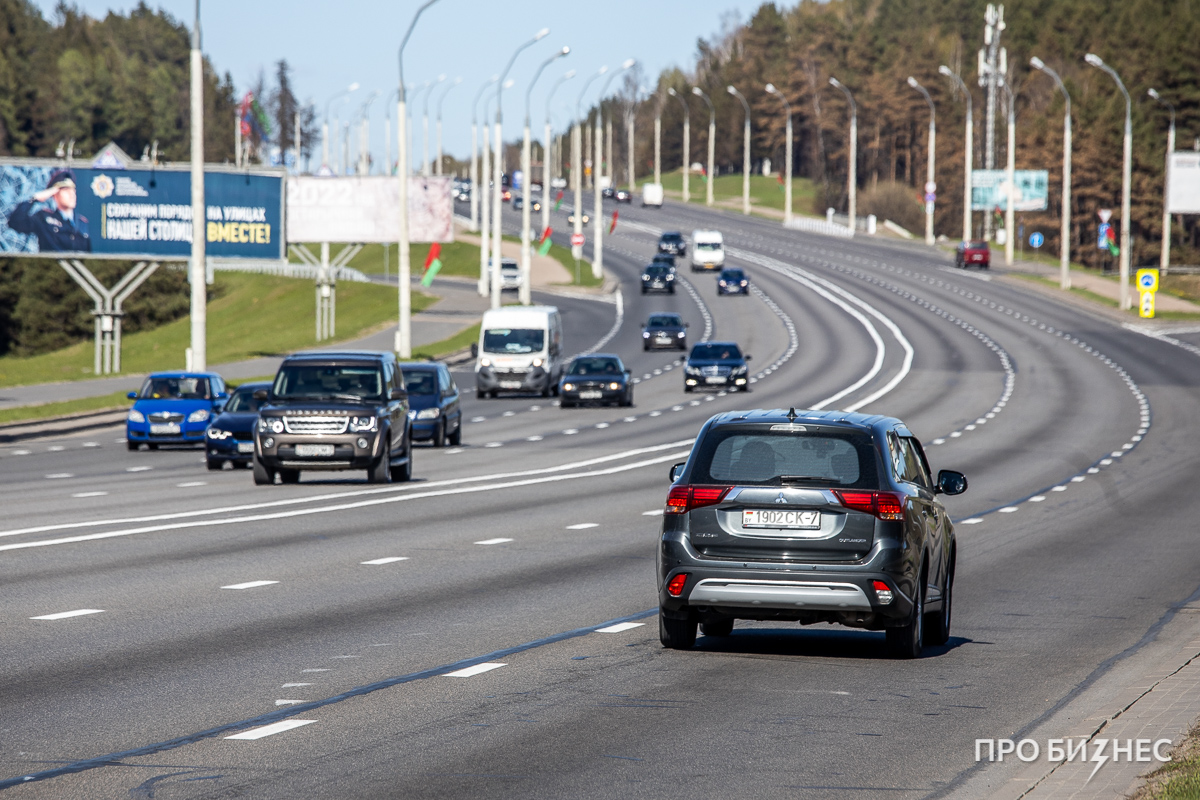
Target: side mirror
(951,482)
(132,395)
(474,349)
(222,396)
(749,357)
(687,324)
(675,471)
(260,394)
(398,394)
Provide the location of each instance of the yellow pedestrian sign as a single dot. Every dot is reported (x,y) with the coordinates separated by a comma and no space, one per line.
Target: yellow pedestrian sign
(1146,309)
(1147,283)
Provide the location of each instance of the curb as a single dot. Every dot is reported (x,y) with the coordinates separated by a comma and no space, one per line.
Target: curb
(67,423)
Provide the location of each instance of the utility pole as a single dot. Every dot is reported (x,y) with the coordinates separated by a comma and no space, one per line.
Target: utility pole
(687,164)
(930,185)
(446,91)
(577,150)
(852,177)
(475,156)
(597,195)
(1065,228)
(1164,261)
(526,290)
(712,138)
(993,67)
(787,158)
(745,152)
(1010,222)
(198,268)
(629,119)
(658,145)
(1126,178)
(968,145)
(546,174)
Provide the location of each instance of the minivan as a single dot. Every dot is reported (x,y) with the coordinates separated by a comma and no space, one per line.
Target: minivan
(520,350)
(708,250)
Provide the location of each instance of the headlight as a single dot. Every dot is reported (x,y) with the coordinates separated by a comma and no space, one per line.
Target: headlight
(363,424)
(614,386)
(568,387)
(136,416)
(274,425)
(412,414)
(681,334)
(429,413)
(537,362)
(744,283)
(645,334)
(218,434)
(485,362)
(199,415)
(645,277)
(739,370)
(721,283)
(670,277)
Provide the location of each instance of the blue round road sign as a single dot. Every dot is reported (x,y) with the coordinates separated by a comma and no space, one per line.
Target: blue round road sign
(1036,240)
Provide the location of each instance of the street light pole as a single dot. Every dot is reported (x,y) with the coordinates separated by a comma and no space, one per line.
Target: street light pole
(597,194)
(547,148)
(325,128)
(787,158)
(712,137)
(475,171)
(485,201)
(852,177)
(1010,222)
(577,152)
(745,151)
(658,140)
(364,136)
(687,163)
(404,330)
(929,172)
(1064,280)
(526,291)
(425,126)
(968,146)
(1164,262)
(198,268)
(437,170)
(1126,176)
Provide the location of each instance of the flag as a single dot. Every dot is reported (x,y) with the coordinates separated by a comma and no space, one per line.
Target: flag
(779,177)
(703,174)
(544,243)
(433,263)
(613,226)
(251,117)
(1113,248)
(558,198)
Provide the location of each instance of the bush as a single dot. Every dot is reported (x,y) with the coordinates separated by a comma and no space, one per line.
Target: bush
(895,201)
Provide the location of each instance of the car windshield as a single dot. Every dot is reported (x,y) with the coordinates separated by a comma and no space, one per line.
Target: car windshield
(176,389)
(773,458)
(732,275)
(422,381)
(657,272)
(664,321)
(334,381)
(242,402)
(708,245)
(595,366)
(716,352)
(671,238)
(513,340)
(509,266)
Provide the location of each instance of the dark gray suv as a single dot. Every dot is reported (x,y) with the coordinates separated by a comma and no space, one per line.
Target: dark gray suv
(816,516)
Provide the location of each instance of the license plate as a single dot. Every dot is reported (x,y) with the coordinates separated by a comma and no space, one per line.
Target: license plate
(714,380)
(245,447)
(798,520)
(166,427)
(665,339)
(312,450)
(590,395)
(510,384)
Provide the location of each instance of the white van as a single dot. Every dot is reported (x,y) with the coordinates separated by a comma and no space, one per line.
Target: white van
(708,250)
(520,350)
(652,194)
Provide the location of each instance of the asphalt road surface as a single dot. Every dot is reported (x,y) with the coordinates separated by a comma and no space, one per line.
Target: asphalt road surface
(487,630)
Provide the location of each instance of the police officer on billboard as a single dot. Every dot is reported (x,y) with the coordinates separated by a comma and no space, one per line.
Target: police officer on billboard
(50,215)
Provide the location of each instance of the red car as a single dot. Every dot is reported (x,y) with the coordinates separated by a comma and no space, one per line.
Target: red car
(972,253)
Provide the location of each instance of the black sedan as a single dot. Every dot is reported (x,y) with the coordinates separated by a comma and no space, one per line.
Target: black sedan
(434,410)
(672,242)
(665,330)
(658,278)
(666,259)
(598,378)
(716,365)
(230,436)
(623,196)
(733,281)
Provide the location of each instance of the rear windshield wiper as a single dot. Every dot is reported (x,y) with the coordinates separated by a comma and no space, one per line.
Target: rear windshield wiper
(793,479)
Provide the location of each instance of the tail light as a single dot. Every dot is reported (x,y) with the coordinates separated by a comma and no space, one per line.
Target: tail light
(884,505)
(684,498)
(882,591)
(675,587)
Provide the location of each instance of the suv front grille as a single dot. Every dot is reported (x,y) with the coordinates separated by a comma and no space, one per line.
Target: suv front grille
(715,371)
(310,425)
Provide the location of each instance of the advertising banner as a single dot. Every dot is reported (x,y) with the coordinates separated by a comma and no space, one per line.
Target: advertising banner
(989,190)
(366,209)
(56,211)
(1183,188)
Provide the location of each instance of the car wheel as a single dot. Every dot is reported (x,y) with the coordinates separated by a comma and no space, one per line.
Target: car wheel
(214,464)
(262,475)
(723,627)
(628,401)
(643,290)
(677,634)
(456,437)
(565,404)
(493,394)
(133,447)
(937,631)
(906,641)
(380,471)
(152,446)
(439,435)
(687,388)
(480,394)
(671,290)
(289,476)
(403,473)
(645,349)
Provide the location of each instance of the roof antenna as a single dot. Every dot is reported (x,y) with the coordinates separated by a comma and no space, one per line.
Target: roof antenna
(791,415)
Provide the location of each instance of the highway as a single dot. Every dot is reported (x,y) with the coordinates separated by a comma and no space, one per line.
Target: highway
(489,629)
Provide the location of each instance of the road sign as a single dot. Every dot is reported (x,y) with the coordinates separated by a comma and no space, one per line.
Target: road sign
(1036,240)
(577,240)
(1102,236)
(1146,309)
(930,187)
(1105,214)
(1147,280)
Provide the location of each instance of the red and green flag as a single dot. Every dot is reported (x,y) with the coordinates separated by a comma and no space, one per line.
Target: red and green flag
(613,226)
(779,177)
(433,263)
(1110,237)
(558,198)
(544,242)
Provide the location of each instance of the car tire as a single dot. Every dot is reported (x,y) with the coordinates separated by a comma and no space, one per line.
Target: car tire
(289,476)
(671,290)
(152,446)
(214,464)
(262,475)
(404,472)
(456,437)
(722,628)
(439,435)
(937,624)
(676,634)
(565,404)
(645,349)
(906,641)
(628,401)
(480,394)
(687,388)
(380,471)
(133,447)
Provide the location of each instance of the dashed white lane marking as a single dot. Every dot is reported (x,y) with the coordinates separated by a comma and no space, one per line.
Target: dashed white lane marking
(658,512)
(971,521)
(190,484)
(602,425)
(1008,509)
(1059,489)
(620,627)
(67,614)
(58,448)
(1037,499)
(286,703)
(494,444)
(453,451)
(389,560)
(272,729)
(478,669)
(54,476)
(579,526)
(294,685)
(509,414)
(656,413)
(570,432)
(138,469)
(249,585)
(1078,479)
(478,419)
(630,419)
(534,438)
(91,444)
(89,494)
(499,540)
(23,452)
(317,669)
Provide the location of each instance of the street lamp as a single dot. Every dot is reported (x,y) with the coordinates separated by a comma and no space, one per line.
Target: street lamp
(657,136)
(547,147)
(426,87)
(404,330)
(474,169)
(968,153)
(1094,60)
(597,194)
(339,96)
(364,135)
(437,170)
(527,181)
(745,151)
(1165,260)
(198,269)
(1010,222)
(852,178)
(486,208)
(425,126)
(687,164)
(577,153)
(930,185)
(712,136)
(1064,280)
(787,158)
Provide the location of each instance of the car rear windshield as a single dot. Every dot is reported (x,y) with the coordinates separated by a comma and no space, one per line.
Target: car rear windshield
(422,381)
(664,321)
(242,402)
(595,366)
(716,352)
(176,389)
(977,245)
(837,459)
(328,382)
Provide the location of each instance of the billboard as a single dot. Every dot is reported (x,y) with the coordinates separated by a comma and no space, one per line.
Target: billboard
(51,210)
(989,189)
(1183,188)
(366,209)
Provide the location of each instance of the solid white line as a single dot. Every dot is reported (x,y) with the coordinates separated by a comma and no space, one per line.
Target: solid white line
(249,585)
(58,475)
(500,540)
(583,526)
(272,729)
(65,614)
(89,494)
(190,484)
(620,627)
(138,469)
(388,560)
(616,324)
(478,669)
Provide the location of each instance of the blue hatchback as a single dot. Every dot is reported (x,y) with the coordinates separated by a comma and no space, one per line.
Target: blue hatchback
(433,401)
(231,435)
(173,408)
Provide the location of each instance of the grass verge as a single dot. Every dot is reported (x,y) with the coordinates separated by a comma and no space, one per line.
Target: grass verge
(436,350)
(764,191)
(1102,300)
(117,401)
(1179,779)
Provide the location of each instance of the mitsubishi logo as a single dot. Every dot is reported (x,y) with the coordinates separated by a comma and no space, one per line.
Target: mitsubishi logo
(781,498)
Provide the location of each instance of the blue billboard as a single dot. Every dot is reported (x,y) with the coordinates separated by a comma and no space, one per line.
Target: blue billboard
(60,211)
(989,189)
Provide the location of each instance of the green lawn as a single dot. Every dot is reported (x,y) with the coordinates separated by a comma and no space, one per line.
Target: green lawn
(1106,301)
(764,191)
(114,401)
(255,315)
(436,350)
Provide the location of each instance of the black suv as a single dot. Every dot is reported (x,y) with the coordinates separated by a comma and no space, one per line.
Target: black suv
(664,330)
(716,365)
(658,278)
(821,516)
(334,411)
(672,242)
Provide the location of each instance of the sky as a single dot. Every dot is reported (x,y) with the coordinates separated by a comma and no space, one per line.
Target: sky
(331,45)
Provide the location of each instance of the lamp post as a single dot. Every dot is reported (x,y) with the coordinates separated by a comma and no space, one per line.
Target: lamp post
(437,170)
(475,171)
(1164,262)
(745,151)
(387,133)
(547,147)
(1064,280)
(597,194)
(1010,222)
(425,126)
(658,140)
(577,151)
(486,208)
(712,137)
(852,177)
(787,158)
(526,181)
(404,331)
(426,87)
(687,164)
(325,128)
(929,182)
(968,146)
(198,269)
(364,135)
(1095,61)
